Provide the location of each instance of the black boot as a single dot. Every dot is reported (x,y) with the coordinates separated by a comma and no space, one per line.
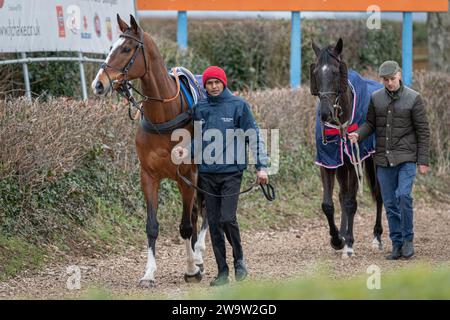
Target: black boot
(232,233)
(240,271)
(220,280)
(407,249)
(396,253)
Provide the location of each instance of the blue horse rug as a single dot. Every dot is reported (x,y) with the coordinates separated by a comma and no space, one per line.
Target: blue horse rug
(190,86)
(331,154)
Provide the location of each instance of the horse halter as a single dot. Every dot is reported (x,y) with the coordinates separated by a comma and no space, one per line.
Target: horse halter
(337,110)
(125,85)
(336,113)
(126,68)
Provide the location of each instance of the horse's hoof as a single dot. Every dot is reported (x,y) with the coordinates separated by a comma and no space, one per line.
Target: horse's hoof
(377,244)
(144,283)
(337,245)
(347,253)
(201,267)
(195,278)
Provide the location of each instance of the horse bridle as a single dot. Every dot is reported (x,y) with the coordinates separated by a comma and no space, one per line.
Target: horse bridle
(126,68)
(337,111)
(125,85)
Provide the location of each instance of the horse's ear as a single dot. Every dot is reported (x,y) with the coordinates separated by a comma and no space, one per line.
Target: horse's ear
(339,46)
(122,24)
(134,24)
(312,80)
(343,82)
(315,48)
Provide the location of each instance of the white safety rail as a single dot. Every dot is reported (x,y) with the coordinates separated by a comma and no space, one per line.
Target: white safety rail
(79,26)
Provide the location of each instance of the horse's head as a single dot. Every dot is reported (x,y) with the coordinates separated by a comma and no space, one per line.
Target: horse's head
(328,76)
(126,60)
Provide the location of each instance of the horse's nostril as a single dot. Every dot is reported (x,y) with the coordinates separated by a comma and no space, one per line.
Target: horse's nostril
(99,86)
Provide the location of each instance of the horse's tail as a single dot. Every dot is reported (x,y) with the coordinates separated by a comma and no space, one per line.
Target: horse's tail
(371,175)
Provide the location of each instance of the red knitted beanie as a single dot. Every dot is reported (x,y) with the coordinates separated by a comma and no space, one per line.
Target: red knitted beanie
(214,72)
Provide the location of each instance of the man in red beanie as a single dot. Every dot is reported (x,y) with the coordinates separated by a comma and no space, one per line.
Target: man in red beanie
(222,113)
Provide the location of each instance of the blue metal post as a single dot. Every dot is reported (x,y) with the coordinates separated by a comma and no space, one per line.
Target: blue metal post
(407,48)
(182,31)
(296,50)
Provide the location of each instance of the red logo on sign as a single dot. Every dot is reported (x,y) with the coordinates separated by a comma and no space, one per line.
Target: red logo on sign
(60,18)
(97,25)
(109,28)
(1,3)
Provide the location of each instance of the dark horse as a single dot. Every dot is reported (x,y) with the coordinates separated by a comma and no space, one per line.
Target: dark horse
(135,55)
(329,81)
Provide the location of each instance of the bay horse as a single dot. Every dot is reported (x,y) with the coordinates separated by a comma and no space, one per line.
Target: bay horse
(329,81)
(135,56)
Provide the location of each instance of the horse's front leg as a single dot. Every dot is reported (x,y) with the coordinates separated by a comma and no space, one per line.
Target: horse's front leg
(327,176)
(348,183)
(150,187)
(193,272)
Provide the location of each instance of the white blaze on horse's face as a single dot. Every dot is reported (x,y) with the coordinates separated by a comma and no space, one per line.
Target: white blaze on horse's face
(101,85)
(114,47)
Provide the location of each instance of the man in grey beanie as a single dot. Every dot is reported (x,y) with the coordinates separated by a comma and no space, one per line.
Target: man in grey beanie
(398,117)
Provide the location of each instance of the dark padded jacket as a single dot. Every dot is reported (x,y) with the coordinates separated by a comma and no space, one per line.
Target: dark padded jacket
(400,123)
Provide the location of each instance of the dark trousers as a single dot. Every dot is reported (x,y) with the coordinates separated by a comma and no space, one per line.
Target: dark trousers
(221,214)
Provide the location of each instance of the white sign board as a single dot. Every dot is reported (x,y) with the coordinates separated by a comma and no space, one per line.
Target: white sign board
(61,25)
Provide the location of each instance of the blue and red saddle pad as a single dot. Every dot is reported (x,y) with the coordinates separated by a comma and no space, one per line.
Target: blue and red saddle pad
(191,86)
(331,154)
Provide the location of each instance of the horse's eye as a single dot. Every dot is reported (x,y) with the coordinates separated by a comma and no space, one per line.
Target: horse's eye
(126,50)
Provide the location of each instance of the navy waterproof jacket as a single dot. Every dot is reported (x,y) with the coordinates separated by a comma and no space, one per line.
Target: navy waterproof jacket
(227,129)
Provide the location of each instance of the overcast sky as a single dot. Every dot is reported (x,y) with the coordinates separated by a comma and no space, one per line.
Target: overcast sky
(421,16)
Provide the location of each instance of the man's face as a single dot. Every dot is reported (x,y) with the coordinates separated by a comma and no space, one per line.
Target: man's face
(392,83)
(214,87)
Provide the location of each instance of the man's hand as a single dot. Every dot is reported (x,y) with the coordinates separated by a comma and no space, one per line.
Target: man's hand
(179,153)
(262,177)
(353,137)
(423,169)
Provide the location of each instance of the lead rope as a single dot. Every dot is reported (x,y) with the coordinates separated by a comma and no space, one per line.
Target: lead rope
(357,164)
(268,190)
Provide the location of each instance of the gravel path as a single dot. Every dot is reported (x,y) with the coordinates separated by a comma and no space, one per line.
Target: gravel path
(300,250)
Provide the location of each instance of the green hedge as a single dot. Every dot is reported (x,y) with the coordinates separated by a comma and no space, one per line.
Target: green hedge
(256,53)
